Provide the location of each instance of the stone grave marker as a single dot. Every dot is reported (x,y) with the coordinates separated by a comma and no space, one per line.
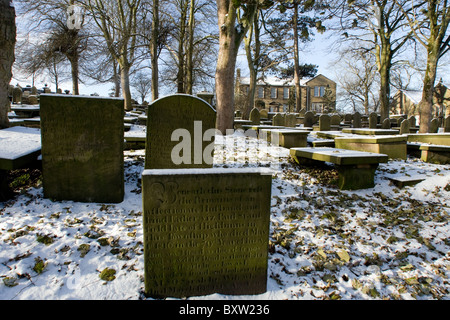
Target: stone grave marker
(82,148)
(309,119)
(180,133)
(255,116)
(205,231)
(264,114)
(290,120)
(404,127)
(447,124)
(356,122)
(412,121)
(278,120)
(373,120)
(434,125)
(386,124)
(324,122)
(335,120)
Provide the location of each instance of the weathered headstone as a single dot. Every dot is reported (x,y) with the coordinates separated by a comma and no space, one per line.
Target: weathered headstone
(348,118)
(335,120)
(264,114)
(373,120)
(290,120)
(255,116)
(180,132)
(324,122)
(309,119)
(278,120)
(434,126)
(404,127)
(412,121)
(447,124)
(17,94)
(205,231)
(82,148)
(386,124)
(356,123)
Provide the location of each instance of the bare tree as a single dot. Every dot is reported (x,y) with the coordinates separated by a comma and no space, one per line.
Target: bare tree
(118,23)
(429,21)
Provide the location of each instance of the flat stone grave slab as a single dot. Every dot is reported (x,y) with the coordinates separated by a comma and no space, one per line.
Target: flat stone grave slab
(289,138)
(393,146)
(438,154)
(369,131)
(82,148)
(177,126)
(238,123)
(19,147)
(206,231)
(401,182)
(431,138)
(356,169)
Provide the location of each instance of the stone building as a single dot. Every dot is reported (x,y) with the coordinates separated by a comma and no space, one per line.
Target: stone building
(278,95)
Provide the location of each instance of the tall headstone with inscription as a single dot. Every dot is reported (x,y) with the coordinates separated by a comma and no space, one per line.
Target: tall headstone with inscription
(205,231)
(82,148)
(255,116)
(180,133)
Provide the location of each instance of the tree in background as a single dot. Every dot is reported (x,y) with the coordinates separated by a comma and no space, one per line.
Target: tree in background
(380,25)
(118,23)
(429,23)
(295,24)
(7,42)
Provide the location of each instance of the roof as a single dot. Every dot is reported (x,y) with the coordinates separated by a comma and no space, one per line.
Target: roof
(275,81)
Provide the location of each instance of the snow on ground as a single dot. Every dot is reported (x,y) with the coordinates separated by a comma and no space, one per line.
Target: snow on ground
(379,243)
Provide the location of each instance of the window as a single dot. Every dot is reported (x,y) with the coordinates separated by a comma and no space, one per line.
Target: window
(285,93)
(285,108)
(318,107)
(273,93)
(261,92)
(319,91)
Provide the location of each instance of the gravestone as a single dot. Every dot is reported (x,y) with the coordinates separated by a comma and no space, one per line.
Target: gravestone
(386,124)
(82,148)
(434,125)
(278,120)
(348,118)
(356,123)
(373,120)
(290,120)
(404,127)
(205,231)
(447,124)
(180,133)
(412,121)
(309,119)
(17,94)
(324,122)
(255,116)
(335,120)
(264,114)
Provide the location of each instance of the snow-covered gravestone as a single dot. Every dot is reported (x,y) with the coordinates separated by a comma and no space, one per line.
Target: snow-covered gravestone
(205,231)
(82,148)
(180,133)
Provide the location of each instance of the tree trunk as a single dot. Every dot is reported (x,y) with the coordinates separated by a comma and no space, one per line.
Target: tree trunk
(75,73)
(384,61)
(154,50)
(7,42)
(181,75)
(226,63)
(426,104)
(125,83)
(190,50)
(253,73)
(298,100)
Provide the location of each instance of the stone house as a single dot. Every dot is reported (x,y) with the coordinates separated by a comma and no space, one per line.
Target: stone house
(407,101)
(278,95)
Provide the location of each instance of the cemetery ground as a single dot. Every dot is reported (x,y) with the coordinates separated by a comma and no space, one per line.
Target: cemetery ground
(384,242)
